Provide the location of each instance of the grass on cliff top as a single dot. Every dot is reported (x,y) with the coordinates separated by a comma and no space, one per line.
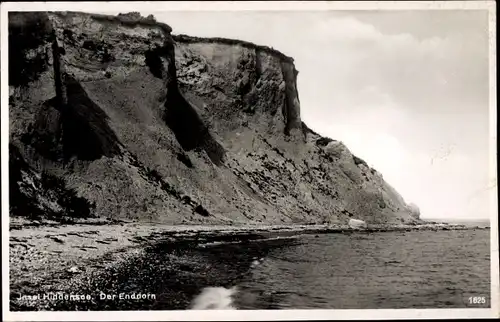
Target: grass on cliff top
(130,19)
(192,39)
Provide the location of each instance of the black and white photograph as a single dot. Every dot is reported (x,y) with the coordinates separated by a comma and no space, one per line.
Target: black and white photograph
(268,157)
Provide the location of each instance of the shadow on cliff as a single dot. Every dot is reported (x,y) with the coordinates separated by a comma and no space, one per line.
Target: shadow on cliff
(27,31)
(179,114)
(189,129)
(37,196)
(77,129)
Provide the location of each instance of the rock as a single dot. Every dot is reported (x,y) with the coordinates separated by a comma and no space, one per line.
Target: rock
(74,270)
(146,99)
(58,240)
(202,211)
(414,210)
(356,223)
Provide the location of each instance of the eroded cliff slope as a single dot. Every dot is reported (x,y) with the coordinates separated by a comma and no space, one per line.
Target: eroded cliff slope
(140,124)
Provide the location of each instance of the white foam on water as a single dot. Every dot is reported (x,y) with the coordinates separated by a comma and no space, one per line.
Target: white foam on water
(214,298)
(216,243)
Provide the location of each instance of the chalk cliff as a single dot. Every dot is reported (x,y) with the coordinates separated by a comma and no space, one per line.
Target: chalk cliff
(120,117)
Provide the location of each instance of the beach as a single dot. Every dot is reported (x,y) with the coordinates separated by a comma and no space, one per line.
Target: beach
(96,266)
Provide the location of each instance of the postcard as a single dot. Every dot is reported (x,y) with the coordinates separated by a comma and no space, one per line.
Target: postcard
(249,160)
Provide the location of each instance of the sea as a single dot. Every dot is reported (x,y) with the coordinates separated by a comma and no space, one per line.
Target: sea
(344,270)
(383,270)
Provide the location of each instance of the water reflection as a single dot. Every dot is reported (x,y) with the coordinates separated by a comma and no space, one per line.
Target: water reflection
(410,270)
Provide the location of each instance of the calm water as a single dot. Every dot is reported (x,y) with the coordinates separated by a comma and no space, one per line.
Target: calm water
(329,271)
(367,271)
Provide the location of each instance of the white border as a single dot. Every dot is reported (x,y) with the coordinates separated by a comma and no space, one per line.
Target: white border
(252,315)
(4,96)
(495,285)
(248,5)
(257,314)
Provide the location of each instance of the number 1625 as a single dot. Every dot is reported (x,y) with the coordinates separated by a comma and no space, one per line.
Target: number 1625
(477,300)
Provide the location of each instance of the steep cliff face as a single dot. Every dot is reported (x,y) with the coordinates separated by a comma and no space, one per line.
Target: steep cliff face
(239,83)
(149,126)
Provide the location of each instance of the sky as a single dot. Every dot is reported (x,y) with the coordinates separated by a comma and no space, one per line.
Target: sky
(407,91)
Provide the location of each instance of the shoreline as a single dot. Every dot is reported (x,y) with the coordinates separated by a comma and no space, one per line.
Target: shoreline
(88,259)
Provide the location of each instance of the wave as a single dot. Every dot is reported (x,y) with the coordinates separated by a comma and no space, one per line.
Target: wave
(214,298)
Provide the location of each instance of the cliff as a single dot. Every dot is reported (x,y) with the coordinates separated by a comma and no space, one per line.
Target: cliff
(131,122)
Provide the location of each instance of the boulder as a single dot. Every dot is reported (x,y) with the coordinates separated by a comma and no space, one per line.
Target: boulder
(356,223)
